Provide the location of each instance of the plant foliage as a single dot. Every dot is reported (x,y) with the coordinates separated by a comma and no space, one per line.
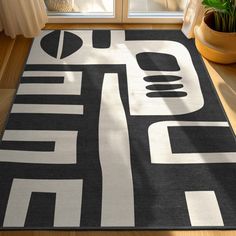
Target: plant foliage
(224,14)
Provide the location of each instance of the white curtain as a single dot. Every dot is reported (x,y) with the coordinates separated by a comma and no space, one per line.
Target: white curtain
(25,17)
(193,16)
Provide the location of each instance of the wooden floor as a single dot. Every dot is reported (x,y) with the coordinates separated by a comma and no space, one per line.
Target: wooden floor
(13,54)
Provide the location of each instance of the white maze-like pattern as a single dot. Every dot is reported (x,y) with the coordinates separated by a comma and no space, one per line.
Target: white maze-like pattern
(160,147)
(114,145)
(124,52)
(67,207)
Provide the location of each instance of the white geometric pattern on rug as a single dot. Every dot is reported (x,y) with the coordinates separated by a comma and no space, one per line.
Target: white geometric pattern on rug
(116,129)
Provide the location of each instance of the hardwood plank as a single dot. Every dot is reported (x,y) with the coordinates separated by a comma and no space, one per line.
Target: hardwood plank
(224,80)
(15,63)
(5,51)
(6,97)
(120,233)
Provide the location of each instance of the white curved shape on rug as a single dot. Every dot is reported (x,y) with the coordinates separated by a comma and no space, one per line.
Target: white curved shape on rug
(114,154)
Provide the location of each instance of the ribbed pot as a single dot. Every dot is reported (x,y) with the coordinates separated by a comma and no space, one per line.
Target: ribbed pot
(219,47)
(60,5)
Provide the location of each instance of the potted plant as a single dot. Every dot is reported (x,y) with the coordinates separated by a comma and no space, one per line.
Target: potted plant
(216,36)
(60,5)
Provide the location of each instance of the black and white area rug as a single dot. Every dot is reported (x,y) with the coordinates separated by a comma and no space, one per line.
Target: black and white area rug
(117,130)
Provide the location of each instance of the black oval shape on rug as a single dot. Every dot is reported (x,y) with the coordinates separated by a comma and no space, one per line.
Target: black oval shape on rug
(71,44)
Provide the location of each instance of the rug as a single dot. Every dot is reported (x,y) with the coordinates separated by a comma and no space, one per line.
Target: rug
(117,130)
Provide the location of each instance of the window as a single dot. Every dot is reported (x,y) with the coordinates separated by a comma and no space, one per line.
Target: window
(108,11)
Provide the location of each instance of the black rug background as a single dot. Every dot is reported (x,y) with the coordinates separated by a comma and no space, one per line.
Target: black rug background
(167,183)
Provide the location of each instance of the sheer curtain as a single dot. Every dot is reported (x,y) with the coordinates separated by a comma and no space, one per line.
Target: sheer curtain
(25,17)
(193,16)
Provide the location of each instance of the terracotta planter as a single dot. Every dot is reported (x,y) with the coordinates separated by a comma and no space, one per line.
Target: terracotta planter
(215,46)
(60,5)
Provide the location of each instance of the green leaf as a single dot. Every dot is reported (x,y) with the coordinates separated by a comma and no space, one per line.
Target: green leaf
(224,14)
(220,5)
